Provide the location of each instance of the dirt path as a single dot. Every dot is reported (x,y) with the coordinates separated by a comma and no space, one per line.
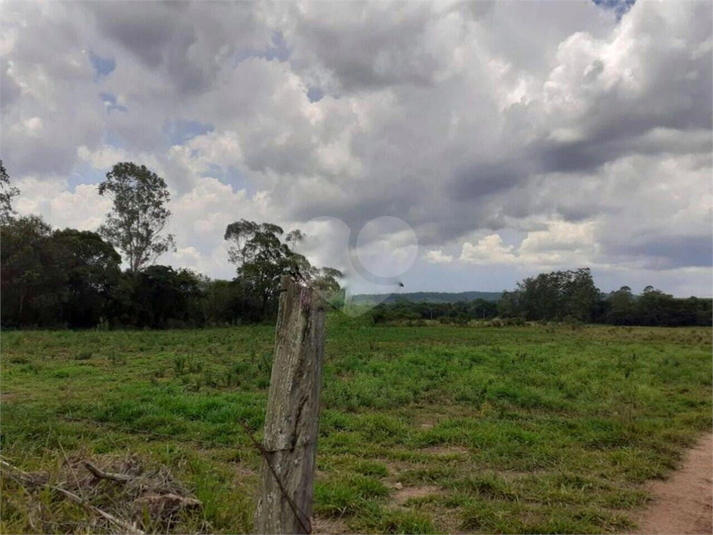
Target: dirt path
(683,504)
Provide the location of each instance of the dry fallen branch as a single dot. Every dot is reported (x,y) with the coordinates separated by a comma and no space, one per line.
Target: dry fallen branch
(127,526)
(23,477)
(171,500)
(106,475)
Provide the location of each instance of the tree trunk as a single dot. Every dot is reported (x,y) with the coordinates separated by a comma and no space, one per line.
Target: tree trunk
(292,421)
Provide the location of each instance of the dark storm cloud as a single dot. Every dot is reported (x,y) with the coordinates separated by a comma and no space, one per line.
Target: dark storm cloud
(582,156)
(482,179)
(664,251)
(380,51)
(187,41)
(678,97)
(357,215)
(145,36)
(52,157)
(161,38)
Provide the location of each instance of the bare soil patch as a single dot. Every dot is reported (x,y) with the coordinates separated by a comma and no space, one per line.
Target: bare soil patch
(683,504)
(404,494)
(443,451)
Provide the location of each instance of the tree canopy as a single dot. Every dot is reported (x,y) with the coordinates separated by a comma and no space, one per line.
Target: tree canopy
(55,278)
(7,193)
(262,253)
(139,215)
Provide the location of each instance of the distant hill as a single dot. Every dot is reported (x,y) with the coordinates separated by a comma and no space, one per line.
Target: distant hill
(432,297)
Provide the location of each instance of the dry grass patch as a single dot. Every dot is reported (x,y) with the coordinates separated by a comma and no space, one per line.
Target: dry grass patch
(403,494)
(120,493)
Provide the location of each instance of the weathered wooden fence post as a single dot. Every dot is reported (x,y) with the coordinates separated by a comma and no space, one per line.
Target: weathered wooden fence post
(286,485)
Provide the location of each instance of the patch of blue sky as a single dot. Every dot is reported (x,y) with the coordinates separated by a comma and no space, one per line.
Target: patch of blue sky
(233,176)
(83,174)
(620,7)
(111,104)
(113,139)
(102,66)
(180,131)
(278,50)
(512,237)
(315,94)
(215,171)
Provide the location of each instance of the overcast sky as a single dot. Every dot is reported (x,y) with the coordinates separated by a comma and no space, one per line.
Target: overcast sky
(499,138)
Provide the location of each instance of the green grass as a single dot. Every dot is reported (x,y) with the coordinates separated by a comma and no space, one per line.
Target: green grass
(506,430)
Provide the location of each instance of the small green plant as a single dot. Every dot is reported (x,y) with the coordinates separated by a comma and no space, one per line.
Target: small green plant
(84,355)
(116,358)
(253,351)
(209,379)
(195,365)
(265,363)
(196,385)
(179,364)
(237,373)
(31,367)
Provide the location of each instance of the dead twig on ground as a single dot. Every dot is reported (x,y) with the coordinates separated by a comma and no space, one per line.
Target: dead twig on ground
(24,478)
(106,475)
(171,499)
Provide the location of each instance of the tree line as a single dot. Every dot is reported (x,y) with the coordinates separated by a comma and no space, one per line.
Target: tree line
(54,278)
(571,296)
(561,296)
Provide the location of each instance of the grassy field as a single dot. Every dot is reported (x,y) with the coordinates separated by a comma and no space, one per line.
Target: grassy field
(424,429)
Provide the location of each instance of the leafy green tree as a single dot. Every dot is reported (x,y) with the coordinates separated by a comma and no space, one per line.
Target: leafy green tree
(92,270)
(578,294)
(26,268)
(163,297)
(656,308)
(7,194)
(482,309)
(622,307)
(325,279)
(261,256)
(139,215)
(557,296)
(509,305)
(226,303)
(52,279)
(700,311)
